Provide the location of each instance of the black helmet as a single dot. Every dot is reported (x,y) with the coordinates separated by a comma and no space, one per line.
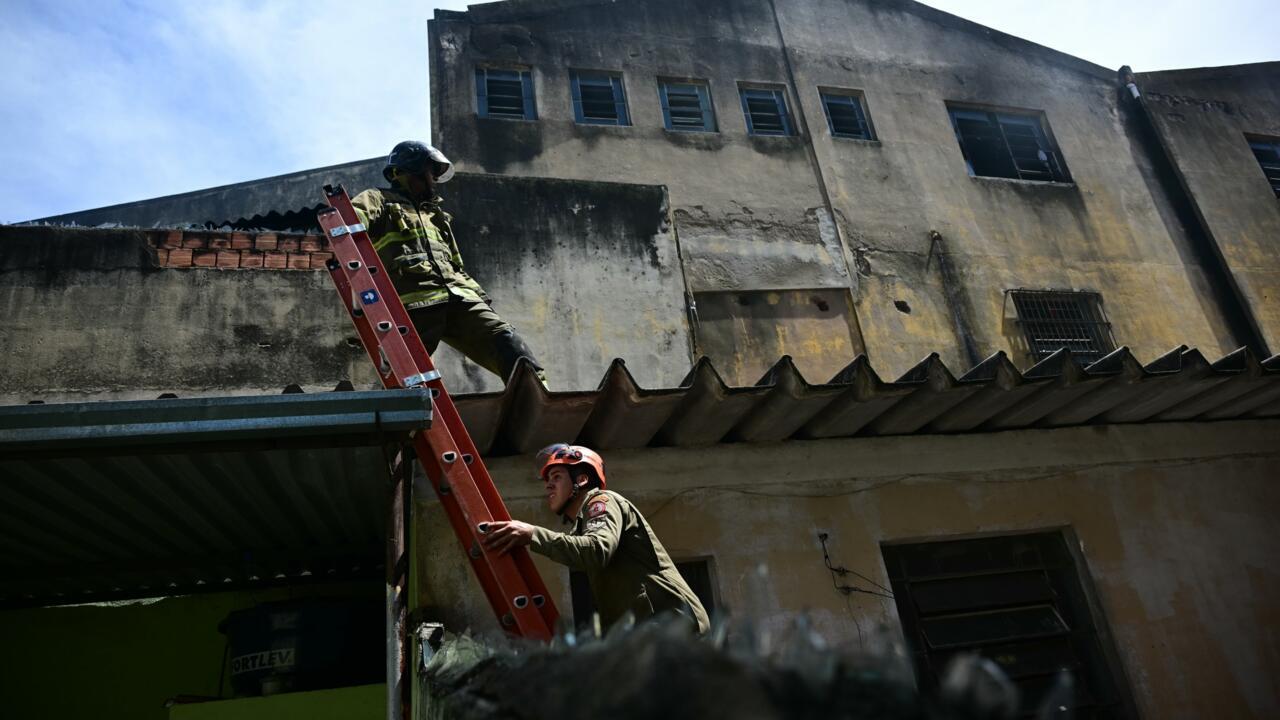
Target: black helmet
(413,157)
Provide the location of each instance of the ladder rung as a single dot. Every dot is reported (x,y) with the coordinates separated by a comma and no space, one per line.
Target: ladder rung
(510,581)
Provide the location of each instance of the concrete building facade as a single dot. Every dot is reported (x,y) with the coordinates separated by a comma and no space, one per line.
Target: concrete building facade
(926,249)
(817,232)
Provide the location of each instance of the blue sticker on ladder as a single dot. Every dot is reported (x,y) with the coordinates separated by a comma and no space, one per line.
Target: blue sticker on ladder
(369,297)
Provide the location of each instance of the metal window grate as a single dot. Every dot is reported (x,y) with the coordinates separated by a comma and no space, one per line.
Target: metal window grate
(1267,151)
(686,106)
(504,94)
(1007,145)
(1016,600)
(766,111)
(1056,319)
(845,116)
(599,99)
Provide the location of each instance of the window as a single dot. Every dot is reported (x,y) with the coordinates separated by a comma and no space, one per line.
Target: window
(686,106)
(1015,600)
(505,94)
(1007,145)
(1053,319)
(695,572)
(846,117)
(1267,150)
(766,111)
(598,99)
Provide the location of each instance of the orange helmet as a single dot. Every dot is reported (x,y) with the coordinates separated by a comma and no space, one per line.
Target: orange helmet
(566,454)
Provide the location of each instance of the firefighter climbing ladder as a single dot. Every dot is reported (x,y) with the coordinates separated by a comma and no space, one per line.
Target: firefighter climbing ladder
(510,581)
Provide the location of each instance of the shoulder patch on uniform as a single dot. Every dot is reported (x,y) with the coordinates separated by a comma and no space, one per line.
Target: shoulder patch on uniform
(597,508)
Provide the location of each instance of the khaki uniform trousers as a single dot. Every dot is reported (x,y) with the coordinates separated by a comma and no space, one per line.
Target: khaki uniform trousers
(475,330)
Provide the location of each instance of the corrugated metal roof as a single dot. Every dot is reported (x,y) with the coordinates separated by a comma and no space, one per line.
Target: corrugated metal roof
(163,497)
(1180,385)
(102,499)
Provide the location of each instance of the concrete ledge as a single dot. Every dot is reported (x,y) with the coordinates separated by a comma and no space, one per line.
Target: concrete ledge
(809,462)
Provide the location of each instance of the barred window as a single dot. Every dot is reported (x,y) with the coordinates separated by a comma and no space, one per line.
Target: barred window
(1008,145)
(1056,319)
(846,116)
(766,111)
(686,106)
(1267,151)
(504,94)
(598,98)
(1016,600)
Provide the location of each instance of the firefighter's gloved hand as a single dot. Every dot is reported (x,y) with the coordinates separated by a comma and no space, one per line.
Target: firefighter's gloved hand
(501,537)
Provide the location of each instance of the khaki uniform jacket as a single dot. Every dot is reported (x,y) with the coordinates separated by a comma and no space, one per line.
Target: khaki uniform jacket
(626,565)
(416,244)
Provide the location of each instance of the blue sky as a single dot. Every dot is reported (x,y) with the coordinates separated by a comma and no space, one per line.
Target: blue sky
(108,102)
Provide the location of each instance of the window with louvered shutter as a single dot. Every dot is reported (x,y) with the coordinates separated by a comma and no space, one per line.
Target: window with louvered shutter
(504,94)
(766,111)
(1018,601)
(846,116)
(599,99)
(686,106)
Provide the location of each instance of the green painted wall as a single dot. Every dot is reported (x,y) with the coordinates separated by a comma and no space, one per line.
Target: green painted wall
(125,660)
(366,702)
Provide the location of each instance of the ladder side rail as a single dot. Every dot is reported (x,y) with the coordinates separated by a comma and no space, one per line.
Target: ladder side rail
(492,593)
(445,467)
(341,202)
(445,408)
(370,306)
(452,510)
(368,337)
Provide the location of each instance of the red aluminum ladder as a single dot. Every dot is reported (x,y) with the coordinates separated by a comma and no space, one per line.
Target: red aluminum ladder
(510,581)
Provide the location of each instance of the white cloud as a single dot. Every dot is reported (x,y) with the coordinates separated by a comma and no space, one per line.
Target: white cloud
(113,103)
(108,102)
(1146,34)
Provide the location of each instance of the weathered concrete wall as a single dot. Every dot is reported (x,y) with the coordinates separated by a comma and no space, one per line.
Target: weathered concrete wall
(88,315)
(1202,117)
(744,333)
(1110,230)
(751,212)
(1175,526)
(585,271)
(748,209)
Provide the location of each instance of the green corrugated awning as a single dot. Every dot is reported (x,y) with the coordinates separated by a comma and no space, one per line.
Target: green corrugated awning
(118,499)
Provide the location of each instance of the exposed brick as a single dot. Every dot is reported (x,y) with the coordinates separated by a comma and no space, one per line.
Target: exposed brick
(204,258)
(318,259)
(228,258)
(194,240)
(265,241)
(274,259)
(220,242)
(173,239)
(299,261)
(162,257)
(250,259)
(311,243)
(241,241)
(288,244)
(179,257)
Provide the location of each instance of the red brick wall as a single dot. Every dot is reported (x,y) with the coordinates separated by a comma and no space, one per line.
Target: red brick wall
(228,250)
